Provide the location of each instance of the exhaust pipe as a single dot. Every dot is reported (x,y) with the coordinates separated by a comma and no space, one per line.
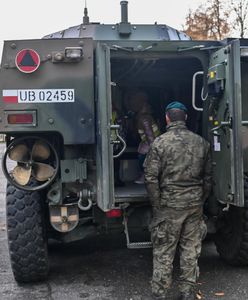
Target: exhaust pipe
(124,27)
(124,12)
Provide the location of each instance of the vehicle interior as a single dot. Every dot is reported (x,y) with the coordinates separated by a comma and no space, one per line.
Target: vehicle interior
(164,80)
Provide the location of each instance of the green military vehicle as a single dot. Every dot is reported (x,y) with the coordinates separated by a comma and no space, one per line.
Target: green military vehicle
(56,111)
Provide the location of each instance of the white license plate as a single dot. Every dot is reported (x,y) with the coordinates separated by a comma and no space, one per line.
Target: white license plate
(46,96)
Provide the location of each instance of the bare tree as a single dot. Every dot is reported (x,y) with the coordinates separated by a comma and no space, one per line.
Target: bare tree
(209,21)
(240,11)
(218,13)
(197,24)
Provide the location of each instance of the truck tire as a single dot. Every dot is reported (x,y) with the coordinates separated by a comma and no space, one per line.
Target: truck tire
(232,233)
(26,235)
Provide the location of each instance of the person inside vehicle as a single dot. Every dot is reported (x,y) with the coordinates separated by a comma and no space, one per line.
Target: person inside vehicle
(145,125)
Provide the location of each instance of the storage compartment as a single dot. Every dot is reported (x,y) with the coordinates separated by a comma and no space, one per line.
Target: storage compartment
(164,79)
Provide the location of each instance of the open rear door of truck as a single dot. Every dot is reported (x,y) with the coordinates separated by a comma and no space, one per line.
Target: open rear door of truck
(104,155)
(224,82)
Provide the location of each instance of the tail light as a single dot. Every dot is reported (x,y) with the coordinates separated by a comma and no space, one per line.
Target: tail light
(20,119)
(114,213)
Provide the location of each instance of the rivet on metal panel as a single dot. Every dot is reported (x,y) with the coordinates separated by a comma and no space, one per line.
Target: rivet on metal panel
(51,121)
(84,28)
(59,56)
(80,43)
(113,27)
(134,27)
(227,50)
(82,121)
(13,46)
(49,56)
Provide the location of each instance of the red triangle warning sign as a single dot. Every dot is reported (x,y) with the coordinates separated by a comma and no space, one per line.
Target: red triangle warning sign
(27,60)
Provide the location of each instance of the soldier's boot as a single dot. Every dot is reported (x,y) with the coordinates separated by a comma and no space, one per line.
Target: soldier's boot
(155,297)
(160,296)
(189,295)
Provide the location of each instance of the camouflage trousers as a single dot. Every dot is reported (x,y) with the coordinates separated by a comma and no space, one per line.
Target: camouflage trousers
(185,229)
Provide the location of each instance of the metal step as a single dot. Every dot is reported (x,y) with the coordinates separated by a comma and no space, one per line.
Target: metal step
(139,245)
(134,245)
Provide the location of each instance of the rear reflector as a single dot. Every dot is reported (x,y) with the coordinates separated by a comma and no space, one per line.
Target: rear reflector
(20,119)
(114,213)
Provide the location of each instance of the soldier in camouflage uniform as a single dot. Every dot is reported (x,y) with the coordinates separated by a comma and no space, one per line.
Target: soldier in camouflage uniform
(178,180)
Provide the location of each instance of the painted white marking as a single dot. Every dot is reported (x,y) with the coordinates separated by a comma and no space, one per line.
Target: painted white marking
(217,147)
(42,95)
(10,93)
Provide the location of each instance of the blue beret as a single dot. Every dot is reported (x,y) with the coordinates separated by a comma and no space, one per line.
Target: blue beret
(176,105)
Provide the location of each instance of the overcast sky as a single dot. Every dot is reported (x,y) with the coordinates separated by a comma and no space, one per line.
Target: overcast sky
(28,19)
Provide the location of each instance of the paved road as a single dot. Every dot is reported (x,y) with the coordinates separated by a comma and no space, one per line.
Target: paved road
(106,270)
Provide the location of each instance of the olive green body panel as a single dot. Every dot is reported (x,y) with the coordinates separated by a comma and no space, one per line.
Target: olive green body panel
(74,121)
(103,32)
(244,87)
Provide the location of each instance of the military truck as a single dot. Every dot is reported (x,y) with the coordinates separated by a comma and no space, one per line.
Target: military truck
(56,114)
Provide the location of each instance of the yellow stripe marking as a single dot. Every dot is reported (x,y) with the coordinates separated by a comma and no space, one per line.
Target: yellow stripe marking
(73,218)
(56,219)
(64,211)
(64,227)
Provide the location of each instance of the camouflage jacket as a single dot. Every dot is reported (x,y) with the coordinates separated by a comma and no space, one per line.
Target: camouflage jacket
(178,169)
